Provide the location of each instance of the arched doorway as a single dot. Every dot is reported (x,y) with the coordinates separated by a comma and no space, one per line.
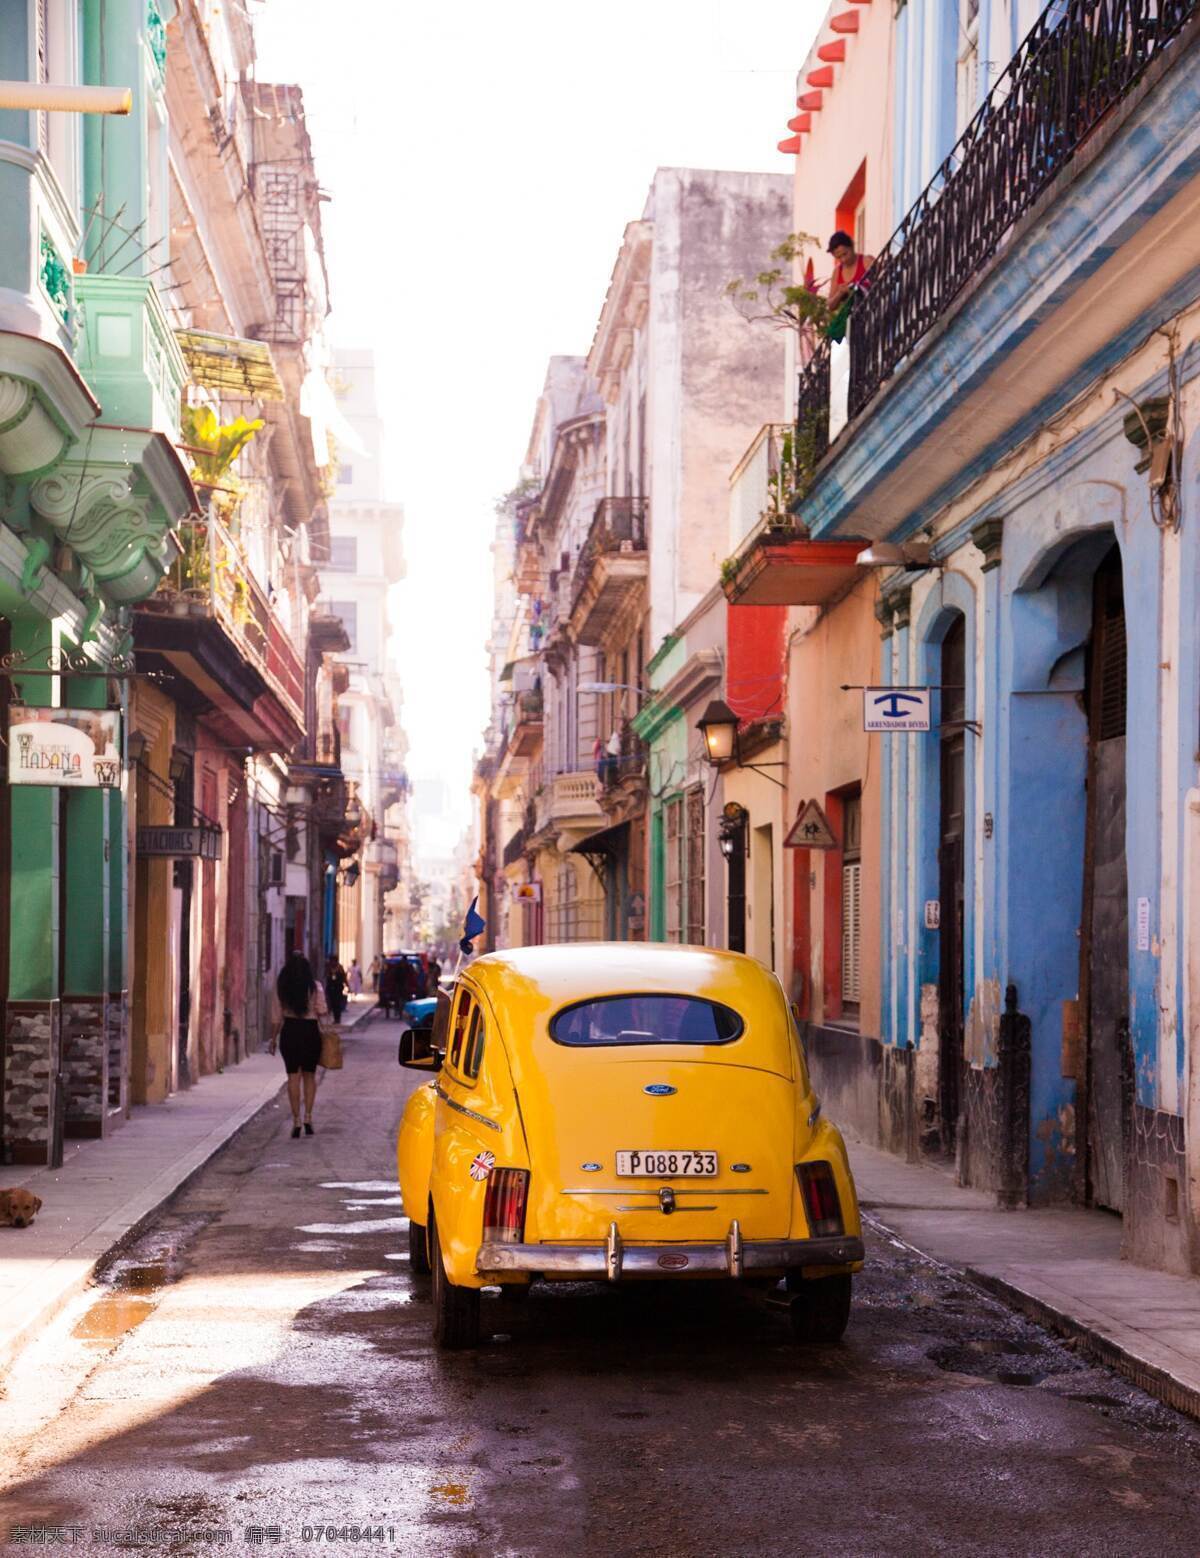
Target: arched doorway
(1104,939)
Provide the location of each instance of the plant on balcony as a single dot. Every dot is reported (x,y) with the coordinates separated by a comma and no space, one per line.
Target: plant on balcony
(774,297)
(215,447)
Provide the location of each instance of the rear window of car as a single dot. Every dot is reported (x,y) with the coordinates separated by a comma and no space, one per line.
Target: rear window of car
(645,1019)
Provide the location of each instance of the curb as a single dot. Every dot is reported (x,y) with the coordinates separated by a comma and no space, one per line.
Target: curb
(1147,1376)
(106,1240)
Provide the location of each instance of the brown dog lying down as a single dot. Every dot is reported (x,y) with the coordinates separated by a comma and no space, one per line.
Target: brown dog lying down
(18,1208)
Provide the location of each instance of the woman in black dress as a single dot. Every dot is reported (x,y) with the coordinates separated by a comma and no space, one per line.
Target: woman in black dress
(299,1004)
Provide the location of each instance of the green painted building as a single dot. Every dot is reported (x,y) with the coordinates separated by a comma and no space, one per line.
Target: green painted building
(90,487)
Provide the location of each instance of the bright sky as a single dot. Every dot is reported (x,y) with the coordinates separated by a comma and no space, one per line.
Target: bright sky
(483,160)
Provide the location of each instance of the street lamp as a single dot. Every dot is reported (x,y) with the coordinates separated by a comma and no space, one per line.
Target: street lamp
(731,831)
(718,726)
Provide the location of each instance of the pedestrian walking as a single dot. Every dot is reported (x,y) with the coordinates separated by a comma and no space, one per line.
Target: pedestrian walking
(376,967)
(335,989)
(354,978)
(433,977)
(298,1007)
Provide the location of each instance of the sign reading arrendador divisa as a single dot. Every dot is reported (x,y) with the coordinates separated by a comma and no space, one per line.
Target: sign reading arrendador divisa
(76,749)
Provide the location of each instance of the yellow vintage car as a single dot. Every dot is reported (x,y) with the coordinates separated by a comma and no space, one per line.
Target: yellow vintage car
(622,1111)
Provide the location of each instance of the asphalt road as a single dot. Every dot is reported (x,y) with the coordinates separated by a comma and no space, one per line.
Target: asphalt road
(260,1364)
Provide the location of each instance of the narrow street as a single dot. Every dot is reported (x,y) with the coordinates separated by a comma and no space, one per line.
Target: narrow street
(261,1359)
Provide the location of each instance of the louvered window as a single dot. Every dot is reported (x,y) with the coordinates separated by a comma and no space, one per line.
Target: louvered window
(42,23)
(851,902)
(695,866)
(673,833)
(851,932)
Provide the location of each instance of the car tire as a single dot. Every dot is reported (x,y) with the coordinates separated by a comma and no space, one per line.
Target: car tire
(455,1309)
(418,1249)
(820,1309)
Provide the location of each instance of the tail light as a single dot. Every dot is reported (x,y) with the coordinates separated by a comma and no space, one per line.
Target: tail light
(819,1189)
(504,1206)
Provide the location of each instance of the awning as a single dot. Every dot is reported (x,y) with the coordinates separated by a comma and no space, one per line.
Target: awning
(230,364)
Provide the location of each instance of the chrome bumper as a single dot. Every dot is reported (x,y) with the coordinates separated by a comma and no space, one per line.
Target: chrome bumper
(614,1259)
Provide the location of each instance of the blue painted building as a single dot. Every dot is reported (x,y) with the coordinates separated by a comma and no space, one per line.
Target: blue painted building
(1023,404)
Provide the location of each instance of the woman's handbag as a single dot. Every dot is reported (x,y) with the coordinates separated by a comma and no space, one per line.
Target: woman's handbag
(331,1049)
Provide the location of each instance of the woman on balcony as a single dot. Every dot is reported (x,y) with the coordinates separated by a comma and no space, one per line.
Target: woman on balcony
(848,279)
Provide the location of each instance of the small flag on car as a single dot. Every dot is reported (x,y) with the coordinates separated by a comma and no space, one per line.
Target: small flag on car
(474,925)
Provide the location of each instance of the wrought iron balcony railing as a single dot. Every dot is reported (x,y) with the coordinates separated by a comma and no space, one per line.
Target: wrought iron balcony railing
(1079,60)
(213,579)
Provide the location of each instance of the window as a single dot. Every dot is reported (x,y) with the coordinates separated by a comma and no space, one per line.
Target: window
(347,611)
(474,1049)
(645,1019)
(673,866)
(345,475)
(967,76)
(463,1013)
(683,874)
(851,903)
(695,866)
(343,554)
(851,214)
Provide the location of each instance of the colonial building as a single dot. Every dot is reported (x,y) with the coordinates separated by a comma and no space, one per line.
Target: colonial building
(1010,423)
(366,560)
(162,298)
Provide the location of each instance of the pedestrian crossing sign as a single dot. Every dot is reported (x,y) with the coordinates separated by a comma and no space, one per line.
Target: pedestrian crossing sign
(811,829)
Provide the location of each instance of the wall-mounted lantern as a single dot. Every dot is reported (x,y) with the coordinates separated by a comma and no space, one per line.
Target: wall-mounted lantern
(718,725)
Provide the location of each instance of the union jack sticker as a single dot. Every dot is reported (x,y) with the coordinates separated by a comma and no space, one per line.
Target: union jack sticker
(482,1164)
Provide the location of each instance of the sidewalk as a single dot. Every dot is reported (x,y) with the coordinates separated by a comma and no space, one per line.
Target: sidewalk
(1062,1266)
(106,1189)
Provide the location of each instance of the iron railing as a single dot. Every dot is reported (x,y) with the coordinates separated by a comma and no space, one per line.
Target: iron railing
(1079,60)
(212,578)
(618,525)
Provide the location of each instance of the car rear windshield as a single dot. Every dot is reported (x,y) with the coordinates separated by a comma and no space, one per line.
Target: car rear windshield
(645,1019)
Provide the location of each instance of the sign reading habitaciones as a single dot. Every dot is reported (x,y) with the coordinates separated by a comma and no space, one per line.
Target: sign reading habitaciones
(202,843)
(70,748)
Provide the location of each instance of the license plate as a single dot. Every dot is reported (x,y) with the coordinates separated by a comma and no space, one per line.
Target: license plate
(678,1164)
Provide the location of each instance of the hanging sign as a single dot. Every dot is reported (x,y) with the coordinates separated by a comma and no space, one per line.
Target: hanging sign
(178,843)
(896,708)
(528,892)
(811,829)
(74,749)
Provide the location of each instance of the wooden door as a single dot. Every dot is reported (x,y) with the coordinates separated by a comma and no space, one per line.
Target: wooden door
(952,810)
(1104,972)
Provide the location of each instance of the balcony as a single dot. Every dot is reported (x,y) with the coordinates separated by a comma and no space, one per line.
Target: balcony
(383,860)
(775,564)
(526,734)
(212,621)
(610,576)
(567,809)
(112,492)
(514,850)
(1032,251)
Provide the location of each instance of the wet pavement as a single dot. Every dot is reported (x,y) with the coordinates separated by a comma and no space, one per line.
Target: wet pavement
(260,1364)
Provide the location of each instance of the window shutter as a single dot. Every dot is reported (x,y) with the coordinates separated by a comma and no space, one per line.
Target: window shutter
(851,930)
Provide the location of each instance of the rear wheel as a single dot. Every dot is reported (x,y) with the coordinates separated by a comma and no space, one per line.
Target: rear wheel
(820,1309)
(418,1249)
(455,1309)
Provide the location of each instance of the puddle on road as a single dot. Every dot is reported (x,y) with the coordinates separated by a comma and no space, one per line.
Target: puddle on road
(453,1492)
(112,1318)
(363,1186)
(366,1225)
